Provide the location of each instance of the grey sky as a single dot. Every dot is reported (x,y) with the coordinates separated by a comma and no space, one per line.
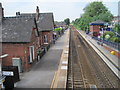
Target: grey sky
(61,9)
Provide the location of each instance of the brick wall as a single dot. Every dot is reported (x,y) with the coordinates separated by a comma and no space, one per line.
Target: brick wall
(94,28)
(91,28)
(49,34)
(20,51)
(14,50)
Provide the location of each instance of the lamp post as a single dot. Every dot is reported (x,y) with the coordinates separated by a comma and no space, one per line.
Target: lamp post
(102,29)
(102,35)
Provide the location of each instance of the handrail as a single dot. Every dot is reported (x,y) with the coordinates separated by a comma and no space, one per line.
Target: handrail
(109,43)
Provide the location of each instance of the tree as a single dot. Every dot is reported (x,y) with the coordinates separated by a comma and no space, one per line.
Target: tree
(95,9)
(117,28)
(92,12)
(67,21)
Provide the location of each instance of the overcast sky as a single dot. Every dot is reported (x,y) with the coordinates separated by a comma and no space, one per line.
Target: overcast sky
(61,9)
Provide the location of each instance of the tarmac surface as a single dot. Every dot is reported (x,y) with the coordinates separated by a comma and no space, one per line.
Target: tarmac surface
(42,73)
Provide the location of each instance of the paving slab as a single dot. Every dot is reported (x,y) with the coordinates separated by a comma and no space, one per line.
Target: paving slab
(42,73)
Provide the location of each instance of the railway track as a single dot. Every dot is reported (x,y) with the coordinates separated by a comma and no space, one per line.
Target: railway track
(86,69)
(75,75)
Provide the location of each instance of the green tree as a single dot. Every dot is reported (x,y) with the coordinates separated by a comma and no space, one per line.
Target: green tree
(92,12)
(67,21)
(117,28)
(107,17)
(95,9)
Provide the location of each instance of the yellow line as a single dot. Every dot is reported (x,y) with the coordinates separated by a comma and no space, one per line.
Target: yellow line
(53,81)
(56,75)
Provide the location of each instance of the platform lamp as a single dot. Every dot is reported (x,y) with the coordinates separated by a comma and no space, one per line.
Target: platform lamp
(102,29)
(106,25)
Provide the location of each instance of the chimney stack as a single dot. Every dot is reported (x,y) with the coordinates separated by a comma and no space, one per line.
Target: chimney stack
(37,13)
(1,12)
(17,14)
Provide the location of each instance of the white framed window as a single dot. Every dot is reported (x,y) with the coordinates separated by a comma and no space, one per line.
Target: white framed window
(45,39)
(32,55)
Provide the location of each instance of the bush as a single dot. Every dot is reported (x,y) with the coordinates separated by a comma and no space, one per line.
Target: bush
(115,39)
(107,37)
(108,33)
(57,29)
(117,28)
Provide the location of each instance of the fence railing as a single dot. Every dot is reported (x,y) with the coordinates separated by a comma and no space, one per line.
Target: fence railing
(109,43)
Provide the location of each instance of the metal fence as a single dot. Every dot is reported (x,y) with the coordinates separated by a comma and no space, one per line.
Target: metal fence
(41,52)
(109,43)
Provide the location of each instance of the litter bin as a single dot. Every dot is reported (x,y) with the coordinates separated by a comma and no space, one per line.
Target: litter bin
(9,83)
(11,70)
(12,76)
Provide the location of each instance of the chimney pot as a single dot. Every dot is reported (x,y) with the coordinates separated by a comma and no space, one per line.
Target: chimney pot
(0,4)
(1,12)
(17,13)
(37,13)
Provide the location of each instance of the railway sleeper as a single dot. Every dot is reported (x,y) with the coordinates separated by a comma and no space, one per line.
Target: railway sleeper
(77,73)
(70,83)
(78,80)
(70,79)
(78,85)
(77,77)
(69,75)
(69,87)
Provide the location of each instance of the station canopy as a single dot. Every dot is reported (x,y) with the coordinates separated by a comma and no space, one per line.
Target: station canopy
(97,22)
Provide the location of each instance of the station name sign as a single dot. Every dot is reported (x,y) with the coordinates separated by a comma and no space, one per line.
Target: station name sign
(8,73)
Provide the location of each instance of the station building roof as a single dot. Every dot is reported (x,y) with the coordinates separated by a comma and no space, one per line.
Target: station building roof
(97,22)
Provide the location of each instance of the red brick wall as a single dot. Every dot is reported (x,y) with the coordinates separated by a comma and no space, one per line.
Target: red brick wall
(94,28)
(91,28)
(49,34)
(35,41)
(40,38)
(14,50)
(21,51)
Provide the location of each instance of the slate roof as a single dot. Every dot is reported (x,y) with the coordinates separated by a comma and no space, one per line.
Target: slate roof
(45,21)
(17,29)
(97,22)
(60,23)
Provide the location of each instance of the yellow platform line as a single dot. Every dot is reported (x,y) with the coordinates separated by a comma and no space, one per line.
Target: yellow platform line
(56,74)
(53,80)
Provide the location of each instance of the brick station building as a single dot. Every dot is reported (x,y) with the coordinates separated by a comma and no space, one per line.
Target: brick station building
(23,36)
(95,27)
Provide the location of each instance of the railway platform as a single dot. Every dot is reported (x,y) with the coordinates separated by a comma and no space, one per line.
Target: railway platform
(111,60)
(52,65)
(51,71)
(60,76)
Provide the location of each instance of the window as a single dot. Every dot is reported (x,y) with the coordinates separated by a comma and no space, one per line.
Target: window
(45,39)
(31,50)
